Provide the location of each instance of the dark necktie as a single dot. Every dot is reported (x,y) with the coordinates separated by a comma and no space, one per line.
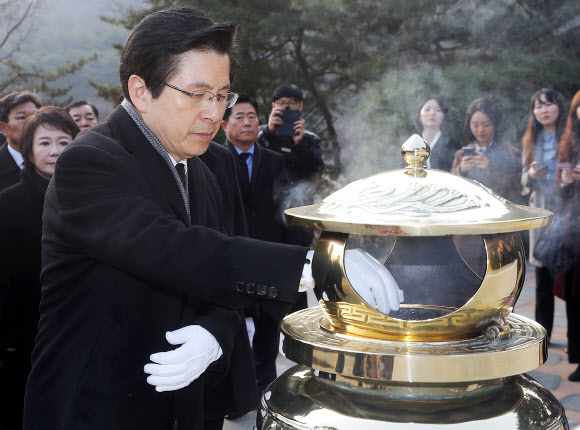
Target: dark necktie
(245,185)
(181,172)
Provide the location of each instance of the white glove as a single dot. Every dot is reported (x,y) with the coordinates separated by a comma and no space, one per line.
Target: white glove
(178,368)
(307,281)
(372,281)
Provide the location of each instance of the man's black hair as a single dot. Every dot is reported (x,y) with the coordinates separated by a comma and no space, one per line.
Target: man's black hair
(153,48)
(242,98)
(290,91)
(82,103)
(8,102)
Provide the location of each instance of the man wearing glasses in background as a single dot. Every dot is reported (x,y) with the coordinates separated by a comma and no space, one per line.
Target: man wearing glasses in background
(302,151)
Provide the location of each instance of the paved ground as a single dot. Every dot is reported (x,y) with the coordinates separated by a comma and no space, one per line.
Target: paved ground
(553,374)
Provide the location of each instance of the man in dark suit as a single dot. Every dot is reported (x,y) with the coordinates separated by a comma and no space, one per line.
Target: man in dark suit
(14,109)
(131,250)
(134,245)
(259,173)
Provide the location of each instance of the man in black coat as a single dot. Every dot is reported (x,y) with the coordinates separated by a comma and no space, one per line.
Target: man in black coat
(132,250)
(134,245)
(260,172)
(14,109)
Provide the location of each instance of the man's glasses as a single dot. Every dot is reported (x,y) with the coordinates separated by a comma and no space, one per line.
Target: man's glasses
(287,103)
(205,98)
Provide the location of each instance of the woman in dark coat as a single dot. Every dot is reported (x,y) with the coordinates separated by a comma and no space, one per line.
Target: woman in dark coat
(487,158)
(432,122)
(567,280)
(45,135)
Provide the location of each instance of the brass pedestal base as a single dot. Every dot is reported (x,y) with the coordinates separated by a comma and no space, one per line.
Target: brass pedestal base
(347,382)
(301,399)
(310,340)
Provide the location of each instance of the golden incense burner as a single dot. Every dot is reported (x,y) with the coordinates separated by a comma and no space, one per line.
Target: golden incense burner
(454,352)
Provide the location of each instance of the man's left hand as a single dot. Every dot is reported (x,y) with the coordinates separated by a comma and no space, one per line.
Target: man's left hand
(299,129)
(178,368)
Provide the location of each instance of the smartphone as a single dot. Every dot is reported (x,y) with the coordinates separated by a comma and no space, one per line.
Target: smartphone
(289,116)
(541,168)
(468,150)
(564,166)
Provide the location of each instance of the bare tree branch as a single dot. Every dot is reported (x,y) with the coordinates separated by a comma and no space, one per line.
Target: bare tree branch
(568,26)
(13,21)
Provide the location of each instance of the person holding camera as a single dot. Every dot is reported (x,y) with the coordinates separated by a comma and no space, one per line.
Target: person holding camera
(286,134)
(546,125)
(488,158)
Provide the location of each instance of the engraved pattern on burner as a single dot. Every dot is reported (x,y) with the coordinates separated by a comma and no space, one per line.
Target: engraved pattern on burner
(309,329)
(416,200)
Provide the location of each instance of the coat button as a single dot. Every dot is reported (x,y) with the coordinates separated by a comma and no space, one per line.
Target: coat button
(262,290)
(240,286)
(273,292)
(250,288)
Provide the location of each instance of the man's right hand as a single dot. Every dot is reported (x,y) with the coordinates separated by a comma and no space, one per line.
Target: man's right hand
(275,119)
(372,281)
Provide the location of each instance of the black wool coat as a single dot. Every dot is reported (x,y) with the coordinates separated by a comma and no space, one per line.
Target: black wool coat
(121,267)
(20,233)
(10,173)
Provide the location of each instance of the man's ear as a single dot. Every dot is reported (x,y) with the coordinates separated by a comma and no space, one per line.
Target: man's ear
(225,126)
(3,126)
(138,93)
(300,107)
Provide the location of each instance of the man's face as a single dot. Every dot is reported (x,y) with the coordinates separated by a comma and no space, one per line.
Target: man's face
(16,120)
(241,128)
(184,127)
(84,117)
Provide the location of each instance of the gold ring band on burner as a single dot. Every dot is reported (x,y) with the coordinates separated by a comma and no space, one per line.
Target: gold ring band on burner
(310,340)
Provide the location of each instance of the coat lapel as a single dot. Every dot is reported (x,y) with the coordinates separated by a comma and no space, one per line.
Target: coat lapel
(149,161)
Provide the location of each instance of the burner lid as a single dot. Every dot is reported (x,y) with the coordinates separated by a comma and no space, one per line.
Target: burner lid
(416,201)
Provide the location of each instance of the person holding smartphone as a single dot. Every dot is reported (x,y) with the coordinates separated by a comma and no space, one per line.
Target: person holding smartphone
(488,158)
(546,124)
(286,134)
(567,186)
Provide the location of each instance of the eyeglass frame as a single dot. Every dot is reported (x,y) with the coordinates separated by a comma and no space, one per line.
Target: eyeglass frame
(213,95)
(292,103)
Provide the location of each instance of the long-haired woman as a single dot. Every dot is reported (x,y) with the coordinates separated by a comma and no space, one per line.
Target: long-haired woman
(567,280)
(487,157)
(545,127)
(432,122)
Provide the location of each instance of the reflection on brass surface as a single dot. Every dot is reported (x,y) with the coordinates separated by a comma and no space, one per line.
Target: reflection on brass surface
(310,339)
(299,399)
(492,302)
